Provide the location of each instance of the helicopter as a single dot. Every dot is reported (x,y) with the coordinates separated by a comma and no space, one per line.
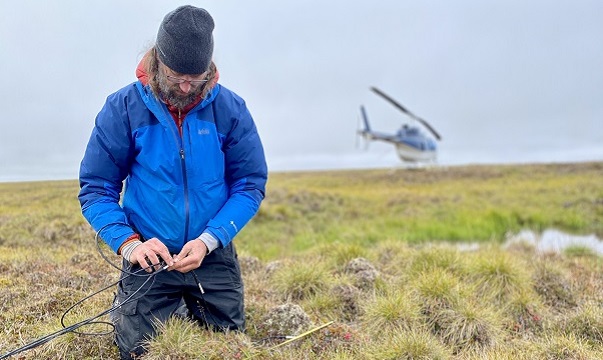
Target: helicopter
(412,143)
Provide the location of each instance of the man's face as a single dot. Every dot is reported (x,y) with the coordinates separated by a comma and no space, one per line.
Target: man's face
(177,89)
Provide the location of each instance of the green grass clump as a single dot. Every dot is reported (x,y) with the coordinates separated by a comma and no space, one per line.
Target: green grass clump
(438,289)
(338,253)
(300,280)
(394,256)
(181,339)
(408,345)
(388,312)
(499,275)
(468,326)
(507,351)
(587,324)
(525,313)
(553,285)
(437,257)
(565,347)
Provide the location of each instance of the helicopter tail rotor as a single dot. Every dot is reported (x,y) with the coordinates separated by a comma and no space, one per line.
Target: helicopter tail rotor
(364,129)
(367,127)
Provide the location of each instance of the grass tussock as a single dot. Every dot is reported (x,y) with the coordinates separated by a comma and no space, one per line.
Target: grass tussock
(565,347)
(587,324)
(500,276)
(390,312)
(300,280)
(526,314)
(437,257)
(379,253)
(553,284)
(438,289)
(408,345)
(180,339)
(468,326)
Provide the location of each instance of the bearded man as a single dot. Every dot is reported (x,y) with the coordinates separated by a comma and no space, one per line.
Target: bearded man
(189,154)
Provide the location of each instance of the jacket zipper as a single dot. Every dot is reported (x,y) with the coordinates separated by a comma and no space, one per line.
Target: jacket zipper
(184,179)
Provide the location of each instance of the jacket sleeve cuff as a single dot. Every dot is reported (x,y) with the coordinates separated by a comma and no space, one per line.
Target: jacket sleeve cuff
(209,241)
(128,249)
(130,239)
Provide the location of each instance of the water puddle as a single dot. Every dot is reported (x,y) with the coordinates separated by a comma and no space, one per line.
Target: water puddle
(552,240)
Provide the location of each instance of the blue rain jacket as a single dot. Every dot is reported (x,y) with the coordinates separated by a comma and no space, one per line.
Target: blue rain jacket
(212,178)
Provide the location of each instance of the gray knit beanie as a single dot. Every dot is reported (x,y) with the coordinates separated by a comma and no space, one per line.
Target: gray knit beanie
(184,40)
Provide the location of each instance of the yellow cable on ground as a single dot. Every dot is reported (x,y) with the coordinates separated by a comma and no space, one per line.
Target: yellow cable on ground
(295,338)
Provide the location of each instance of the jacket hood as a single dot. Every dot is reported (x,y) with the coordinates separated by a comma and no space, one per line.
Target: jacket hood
(141,73)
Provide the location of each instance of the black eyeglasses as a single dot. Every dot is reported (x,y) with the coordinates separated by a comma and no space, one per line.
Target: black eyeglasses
(177,80)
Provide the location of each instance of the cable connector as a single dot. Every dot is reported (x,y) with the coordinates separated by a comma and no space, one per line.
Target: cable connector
(198,282)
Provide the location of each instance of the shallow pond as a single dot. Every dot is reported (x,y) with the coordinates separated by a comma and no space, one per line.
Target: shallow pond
(557,241)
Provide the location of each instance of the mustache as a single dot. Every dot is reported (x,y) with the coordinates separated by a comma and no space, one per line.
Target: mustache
(171,93)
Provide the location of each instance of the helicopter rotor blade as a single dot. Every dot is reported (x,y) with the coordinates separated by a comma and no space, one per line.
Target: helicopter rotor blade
(431,129)
(404,110)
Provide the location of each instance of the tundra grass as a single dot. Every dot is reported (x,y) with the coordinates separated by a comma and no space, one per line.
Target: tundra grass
(374,251)
(453,204)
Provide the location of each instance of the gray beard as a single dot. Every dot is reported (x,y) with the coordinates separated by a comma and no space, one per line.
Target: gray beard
(168,94)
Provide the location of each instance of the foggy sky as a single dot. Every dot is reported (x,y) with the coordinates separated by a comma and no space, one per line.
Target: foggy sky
(502,82)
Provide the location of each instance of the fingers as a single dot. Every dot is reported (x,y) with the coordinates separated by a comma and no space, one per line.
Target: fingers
(149,254)
(190,257)
(159,249)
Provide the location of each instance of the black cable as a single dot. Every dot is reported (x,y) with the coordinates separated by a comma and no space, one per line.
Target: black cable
(203,306)
(72,328)
(88,321)
(106,258)
(79,302)
(91,320)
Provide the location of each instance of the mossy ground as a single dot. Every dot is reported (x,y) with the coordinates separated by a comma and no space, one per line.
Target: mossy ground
(374,251)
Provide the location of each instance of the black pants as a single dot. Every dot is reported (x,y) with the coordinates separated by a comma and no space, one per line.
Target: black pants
(221,307)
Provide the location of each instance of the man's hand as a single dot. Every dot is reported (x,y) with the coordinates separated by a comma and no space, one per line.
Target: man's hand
(190,257)
(148,253)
